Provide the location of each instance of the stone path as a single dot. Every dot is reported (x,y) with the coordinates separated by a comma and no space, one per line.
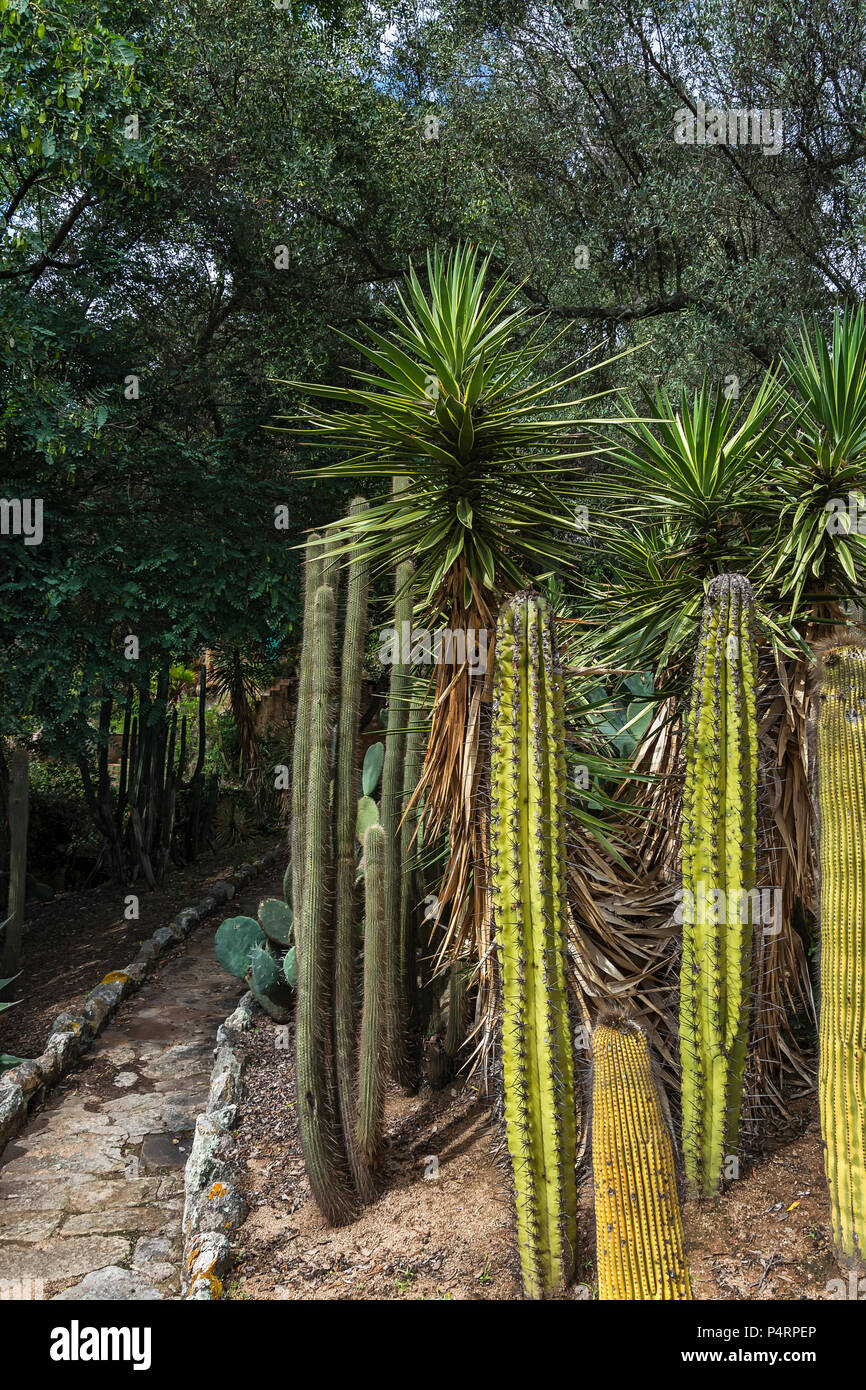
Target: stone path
(91,1192)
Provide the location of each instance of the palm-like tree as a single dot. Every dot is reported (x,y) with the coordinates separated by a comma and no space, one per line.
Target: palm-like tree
(820,542)
(484,453)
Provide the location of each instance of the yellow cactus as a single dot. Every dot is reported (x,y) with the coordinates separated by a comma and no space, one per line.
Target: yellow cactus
(842,1040)
(638,1227)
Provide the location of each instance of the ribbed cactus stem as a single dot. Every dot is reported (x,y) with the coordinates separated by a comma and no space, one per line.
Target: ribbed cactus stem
(320,1135)
(411,887)
(301,749)
(638,1226)
(345,816)
(527,839)
(841,744)
(458,998)
(397,1019)
(718,867)
(371,1064)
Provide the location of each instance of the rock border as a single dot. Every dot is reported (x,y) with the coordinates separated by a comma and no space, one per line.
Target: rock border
(214,1207)
(72,1033)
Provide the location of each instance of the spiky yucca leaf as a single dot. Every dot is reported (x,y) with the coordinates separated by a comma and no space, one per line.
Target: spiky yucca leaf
(454,405)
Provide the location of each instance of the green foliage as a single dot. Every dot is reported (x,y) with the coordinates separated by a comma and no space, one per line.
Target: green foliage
(456,410)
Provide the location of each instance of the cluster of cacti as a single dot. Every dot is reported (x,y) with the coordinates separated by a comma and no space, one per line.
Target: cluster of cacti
(639,1233)
(841,749)
(719,827)
(527,841)
(261,954)
(341,1059)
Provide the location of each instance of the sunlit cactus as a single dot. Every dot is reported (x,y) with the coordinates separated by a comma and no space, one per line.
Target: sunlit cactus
(528,882)
(841,746)
(718,868)
(638,1226)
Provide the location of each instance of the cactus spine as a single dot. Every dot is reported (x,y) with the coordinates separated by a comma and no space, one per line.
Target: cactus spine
(371,1081)
(841,729)
(320,1135)
(718,865)
(638,1227)
(528,884)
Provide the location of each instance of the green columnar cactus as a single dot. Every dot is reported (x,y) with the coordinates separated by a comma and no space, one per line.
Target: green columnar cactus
(345,817)
(301,750)
(458,998)
(396,1005)
(638,1226)
(371,1063)
(321,1138)
(527,841)
(718,867)
(841,746)
(411,887)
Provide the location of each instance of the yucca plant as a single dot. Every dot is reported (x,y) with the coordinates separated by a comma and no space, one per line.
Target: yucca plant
(818,484)
(455,402)
(671,508)
(685,497)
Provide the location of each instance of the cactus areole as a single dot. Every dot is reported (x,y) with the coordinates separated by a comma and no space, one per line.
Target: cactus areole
(841,744)
(718,864)
(527,862)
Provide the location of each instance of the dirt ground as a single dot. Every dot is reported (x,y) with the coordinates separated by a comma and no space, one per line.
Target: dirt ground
(442,1226)
(73,940)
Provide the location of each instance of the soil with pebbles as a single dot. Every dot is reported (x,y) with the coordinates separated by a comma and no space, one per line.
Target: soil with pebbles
(442,1226)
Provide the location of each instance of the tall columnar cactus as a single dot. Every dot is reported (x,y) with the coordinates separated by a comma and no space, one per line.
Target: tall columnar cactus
(527,863)
(638,1227)
(321,1138)
(345,816)
(371,1077)
(411,881)
(396,1003)
(301,749)
(841,746)
(718,868)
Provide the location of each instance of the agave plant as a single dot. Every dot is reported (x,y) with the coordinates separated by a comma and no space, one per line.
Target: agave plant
(481,441)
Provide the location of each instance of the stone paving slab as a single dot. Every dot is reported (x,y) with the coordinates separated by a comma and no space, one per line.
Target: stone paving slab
(82,1208)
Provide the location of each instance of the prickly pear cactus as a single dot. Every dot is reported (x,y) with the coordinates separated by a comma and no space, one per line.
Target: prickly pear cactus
(638,1226)
(718,866)
(528,883)
(841,746)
